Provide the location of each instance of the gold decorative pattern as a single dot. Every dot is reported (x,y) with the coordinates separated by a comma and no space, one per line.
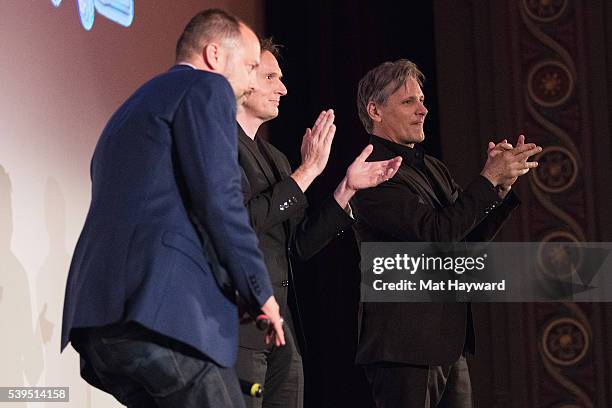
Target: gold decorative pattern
(557,260)
(557,170)
(550,83)
(565,341)
(545,11)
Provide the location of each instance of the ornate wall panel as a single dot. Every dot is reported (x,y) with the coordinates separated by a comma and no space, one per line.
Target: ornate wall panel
(555,115)
(542,68)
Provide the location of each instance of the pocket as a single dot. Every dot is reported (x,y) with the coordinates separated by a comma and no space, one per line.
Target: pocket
(187,247)
(164,371)
(149,359)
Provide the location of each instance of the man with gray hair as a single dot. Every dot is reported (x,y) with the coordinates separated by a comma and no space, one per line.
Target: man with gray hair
(413,354)
(145,305)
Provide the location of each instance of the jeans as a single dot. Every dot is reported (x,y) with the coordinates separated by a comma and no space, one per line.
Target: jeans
(144,369)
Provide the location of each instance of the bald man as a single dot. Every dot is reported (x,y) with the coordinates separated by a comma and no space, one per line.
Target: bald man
(142,305)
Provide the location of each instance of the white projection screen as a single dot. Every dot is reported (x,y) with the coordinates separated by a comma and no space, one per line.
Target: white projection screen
(66,66)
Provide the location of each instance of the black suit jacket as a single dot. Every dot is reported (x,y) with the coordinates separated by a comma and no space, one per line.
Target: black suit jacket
(421,203)
(278,213)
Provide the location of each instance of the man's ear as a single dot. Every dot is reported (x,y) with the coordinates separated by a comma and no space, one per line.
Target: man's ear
(211,54)
(373,112)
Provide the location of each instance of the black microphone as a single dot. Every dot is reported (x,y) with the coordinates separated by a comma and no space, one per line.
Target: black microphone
(262,322)
(252,389)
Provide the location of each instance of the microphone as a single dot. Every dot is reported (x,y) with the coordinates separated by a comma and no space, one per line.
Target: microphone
(262,322)
(252,389)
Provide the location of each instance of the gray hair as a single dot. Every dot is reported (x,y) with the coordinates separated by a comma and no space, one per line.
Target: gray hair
(381,82)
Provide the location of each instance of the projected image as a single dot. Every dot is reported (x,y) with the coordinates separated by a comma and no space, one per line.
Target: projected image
(119,11)
(87,13)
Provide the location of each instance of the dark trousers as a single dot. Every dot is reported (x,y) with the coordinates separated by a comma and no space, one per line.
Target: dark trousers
(408,386)
(144,369)
(278,369)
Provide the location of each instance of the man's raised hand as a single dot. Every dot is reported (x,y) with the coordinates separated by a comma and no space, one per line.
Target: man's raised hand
(316,146)
(362,174)
(504,165)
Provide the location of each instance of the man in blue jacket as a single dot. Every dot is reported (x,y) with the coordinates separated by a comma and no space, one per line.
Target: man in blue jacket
(142,305)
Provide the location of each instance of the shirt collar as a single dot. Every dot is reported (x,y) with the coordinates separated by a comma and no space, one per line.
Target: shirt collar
(242,134)
(413,156)
(187,64)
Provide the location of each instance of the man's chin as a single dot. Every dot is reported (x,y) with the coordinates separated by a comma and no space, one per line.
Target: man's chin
(419,138)
(270,114)
(414,139)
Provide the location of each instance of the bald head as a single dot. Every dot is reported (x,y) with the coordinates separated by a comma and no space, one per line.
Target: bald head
(212,25)
(217,41)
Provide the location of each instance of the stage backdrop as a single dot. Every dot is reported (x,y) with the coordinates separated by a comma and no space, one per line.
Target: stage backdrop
(59,83)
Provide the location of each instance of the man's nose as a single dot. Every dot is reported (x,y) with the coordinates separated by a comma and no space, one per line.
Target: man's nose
(282,89)
(421,109)
(252,81)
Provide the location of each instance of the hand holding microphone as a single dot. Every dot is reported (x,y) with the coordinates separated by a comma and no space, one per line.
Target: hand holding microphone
(262,322)
(275,322)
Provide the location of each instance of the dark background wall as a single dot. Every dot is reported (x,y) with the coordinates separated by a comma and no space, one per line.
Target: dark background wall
(495,69)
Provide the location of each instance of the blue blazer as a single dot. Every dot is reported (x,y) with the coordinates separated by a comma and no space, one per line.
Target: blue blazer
(167,161)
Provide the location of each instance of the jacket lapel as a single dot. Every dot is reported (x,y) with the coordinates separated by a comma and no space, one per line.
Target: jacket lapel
(280,172)
(411,175)
(245,141)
